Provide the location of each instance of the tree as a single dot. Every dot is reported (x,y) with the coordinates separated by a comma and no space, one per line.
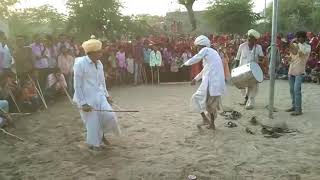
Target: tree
(297,15)
(4,7)
(43,19)
(99,17)
(232,16)
(189,6)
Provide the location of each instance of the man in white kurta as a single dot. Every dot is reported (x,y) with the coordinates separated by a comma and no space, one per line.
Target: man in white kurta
(249,52)
(92,96)
(208,96)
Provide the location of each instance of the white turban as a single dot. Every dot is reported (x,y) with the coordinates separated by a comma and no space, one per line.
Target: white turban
(254,33)
(202,41)
(92,45)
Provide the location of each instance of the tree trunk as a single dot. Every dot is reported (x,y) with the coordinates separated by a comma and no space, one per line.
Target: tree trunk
(191,16)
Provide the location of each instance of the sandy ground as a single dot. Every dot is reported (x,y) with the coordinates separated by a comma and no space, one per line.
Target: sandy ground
(162,141)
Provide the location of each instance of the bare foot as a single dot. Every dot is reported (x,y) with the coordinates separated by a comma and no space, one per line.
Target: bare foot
(212,126)
(204,123)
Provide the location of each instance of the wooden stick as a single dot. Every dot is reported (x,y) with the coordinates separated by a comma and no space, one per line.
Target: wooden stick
(104,110)
(7,114)
(152,75)
(14,100)
(43,101)
(158,70)
(118,107)
(12,135)
(23,114)
(145,74)
(69,97)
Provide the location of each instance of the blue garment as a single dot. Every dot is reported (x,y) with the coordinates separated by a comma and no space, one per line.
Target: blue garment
(4,105)
(146,55)
(5,57)
(295,91)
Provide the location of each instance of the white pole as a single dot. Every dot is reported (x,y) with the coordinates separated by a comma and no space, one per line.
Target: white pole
(273,56)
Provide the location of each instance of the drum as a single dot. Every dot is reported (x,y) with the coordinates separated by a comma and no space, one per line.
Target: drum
(246,75)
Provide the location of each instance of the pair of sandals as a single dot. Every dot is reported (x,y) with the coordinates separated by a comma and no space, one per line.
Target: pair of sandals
(232,115)
(230,124)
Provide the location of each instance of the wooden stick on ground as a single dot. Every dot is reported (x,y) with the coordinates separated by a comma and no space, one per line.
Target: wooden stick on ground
(14,100)
(42,99)
(118,107)
(12,135)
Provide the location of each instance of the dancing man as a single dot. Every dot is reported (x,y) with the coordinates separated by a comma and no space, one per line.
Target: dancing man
(249,52)
(92,97)
(208,96)
(299,55)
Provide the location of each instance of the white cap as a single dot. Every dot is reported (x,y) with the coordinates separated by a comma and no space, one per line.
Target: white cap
(202,41)
(254,33)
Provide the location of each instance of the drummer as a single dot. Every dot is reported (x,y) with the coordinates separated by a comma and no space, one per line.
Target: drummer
(249,52)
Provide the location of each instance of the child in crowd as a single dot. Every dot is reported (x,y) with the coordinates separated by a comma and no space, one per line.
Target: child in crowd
(155,63)
(56,84)
(130,67)
(65,64)
(122,65)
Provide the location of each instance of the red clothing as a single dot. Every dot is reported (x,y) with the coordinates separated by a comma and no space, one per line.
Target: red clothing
(314,43)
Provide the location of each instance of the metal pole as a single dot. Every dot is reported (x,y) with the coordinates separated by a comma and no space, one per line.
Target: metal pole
(273,57)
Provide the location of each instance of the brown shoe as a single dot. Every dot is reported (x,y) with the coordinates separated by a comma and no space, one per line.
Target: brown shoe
(290,110)
(296,113)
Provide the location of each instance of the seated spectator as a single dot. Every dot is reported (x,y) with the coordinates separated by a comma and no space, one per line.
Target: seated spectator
(29,98)
(56,84)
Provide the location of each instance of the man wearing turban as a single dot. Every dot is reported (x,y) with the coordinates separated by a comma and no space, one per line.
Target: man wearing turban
(249,52)
(91,96)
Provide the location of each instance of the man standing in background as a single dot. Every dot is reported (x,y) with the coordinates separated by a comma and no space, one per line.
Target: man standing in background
(40,60)
(23,59)
(299,55)
(138,61)
(5,54)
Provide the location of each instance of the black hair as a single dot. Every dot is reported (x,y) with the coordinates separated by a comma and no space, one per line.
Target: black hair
(301,34)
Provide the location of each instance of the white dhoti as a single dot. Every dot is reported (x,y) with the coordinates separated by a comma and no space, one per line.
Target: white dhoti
(100,123)
(250,92)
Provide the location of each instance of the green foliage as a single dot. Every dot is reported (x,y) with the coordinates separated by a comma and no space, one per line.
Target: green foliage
(102,18)
(189,6)
(232,16)
(4,7)
(43,19)
(297,15)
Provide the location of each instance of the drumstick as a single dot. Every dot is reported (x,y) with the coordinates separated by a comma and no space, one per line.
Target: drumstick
(14,100)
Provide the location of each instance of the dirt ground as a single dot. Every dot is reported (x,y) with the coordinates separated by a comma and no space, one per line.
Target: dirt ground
(162,142)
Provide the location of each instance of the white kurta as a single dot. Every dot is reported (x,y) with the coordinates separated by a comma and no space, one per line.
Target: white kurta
(90,88)
(212,75)
(245,55)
